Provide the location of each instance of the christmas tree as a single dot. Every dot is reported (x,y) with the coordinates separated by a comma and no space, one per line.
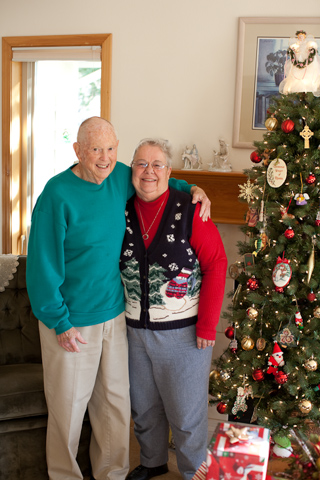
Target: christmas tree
(274,317)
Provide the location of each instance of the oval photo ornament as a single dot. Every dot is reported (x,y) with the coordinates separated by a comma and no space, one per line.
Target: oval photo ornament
(277,173)
(282,273)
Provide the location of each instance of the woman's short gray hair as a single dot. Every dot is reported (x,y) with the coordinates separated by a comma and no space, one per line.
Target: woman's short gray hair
(163,144)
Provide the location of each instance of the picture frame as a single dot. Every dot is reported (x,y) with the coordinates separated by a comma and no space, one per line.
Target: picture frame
(256,36)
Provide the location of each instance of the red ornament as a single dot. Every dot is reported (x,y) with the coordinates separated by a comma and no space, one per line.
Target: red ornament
(222,407)
(311,296)
(287,126)
(317,223)
(229,332)
(289,233)
(280,377)
(311,178)
(258,375)
(254,157)
(253,283)
(279,289)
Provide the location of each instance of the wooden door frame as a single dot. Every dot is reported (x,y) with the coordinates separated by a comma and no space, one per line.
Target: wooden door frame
(8,43)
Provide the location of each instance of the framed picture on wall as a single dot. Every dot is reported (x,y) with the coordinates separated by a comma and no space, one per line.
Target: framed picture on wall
(262,53)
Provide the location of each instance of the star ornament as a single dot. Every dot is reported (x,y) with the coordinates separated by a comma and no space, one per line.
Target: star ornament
(237,434)
(247,191)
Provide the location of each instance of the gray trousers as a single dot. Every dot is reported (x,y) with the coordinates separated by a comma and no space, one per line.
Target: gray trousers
(169,386)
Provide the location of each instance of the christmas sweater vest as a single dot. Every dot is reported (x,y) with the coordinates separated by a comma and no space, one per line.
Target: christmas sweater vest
(161,284)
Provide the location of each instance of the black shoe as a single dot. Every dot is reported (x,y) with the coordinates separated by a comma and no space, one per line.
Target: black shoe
(144,473)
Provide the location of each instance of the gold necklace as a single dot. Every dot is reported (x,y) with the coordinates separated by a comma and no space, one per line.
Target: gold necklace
(145,236)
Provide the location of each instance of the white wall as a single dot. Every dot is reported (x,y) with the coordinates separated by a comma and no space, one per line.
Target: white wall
(173,68)
(174,61)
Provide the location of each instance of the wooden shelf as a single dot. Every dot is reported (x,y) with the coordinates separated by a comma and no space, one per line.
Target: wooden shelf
(223,189)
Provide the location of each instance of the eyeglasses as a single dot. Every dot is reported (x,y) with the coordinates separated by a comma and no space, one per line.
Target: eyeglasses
(156,164)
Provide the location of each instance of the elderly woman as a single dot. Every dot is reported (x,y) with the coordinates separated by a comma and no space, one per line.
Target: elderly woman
(173,267)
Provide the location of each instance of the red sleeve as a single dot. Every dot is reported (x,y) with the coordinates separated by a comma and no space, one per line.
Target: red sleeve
(207,244)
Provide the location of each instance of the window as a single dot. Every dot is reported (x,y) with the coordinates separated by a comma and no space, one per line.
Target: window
(16,174)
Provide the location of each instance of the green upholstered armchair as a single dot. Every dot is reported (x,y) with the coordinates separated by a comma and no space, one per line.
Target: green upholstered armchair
(23,410)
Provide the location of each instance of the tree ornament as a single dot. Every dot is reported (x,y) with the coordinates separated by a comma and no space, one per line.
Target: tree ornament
(311,261)
(280,377)
(282,273)
(287,126)
(261,243)
(255,158)
(247,191)
(214,375)
(260,344)
(286,338)
(305,406)
(311,296)
(253,283)
(317,220)
(301,198)
(252,312)
(229,332)
(311,365)
(222,407)
(258,375)
(247,343)
(235,269)
(240,403)
(316,312)
(311,178)
(289,233)
(266,155)
(271,123)
(306,134)
(233,345)
(275,360)
(277,173)
(284,211)
(224,376)
(298,320)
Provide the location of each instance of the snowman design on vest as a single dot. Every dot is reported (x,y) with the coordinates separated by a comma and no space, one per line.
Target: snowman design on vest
(178,286)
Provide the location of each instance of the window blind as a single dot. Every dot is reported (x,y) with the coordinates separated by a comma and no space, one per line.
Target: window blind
(90,53)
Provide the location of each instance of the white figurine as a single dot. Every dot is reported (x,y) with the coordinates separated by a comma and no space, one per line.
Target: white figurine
(191,159)
(302,68)
(221,159)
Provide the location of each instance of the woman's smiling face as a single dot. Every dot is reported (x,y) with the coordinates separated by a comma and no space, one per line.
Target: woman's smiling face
(150,183)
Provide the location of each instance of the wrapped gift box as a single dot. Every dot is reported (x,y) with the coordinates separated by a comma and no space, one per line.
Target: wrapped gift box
(238,452)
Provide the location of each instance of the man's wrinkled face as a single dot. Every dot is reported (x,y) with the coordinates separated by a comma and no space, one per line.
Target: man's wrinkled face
(96,150)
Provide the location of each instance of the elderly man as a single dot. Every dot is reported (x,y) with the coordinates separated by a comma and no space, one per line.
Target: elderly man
(75,290)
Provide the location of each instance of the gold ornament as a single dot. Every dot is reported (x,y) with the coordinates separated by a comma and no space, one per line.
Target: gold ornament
(260,344)
(310,264)
(306,134)
(311,365)
(214,375)
(247,343)
(305,406)
(271,123)
(252,312)
(316,312)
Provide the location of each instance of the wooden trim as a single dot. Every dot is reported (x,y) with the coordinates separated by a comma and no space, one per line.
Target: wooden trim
(8,43)
(223,190)
(106,62)
(6,150)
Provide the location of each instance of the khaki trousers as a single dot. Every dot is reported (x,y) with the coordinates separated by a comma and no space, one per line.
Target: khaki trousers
(96,378)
